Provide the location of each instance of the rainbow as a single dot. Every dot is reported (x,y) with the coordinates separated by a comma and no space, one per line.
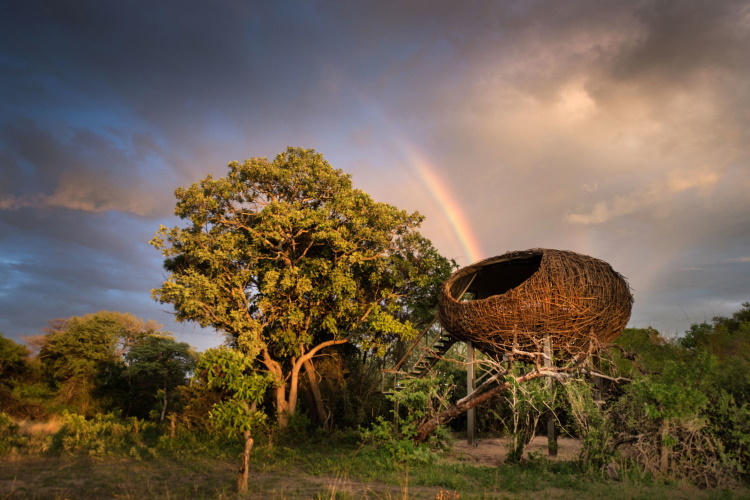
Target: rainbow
(441,194)
(446,202)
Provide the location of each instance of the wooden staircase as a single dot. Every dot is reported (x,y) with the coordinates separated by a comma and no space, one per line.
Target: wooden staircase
(428,358)
(431,355)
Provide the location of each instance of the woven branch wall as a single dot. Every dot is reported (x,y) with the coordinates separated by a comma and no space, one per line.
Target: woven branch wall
(517,299)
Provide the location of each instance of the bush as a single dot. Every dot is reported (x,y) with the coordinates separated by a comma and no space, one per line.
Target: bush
(8,433)
(591,425)
(419,399)
(663,421)
(105,434)
(382,436)
(415,401)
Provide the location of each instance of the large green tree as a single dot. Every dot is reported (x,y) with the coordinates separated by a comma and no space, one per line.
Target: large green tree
(287,258)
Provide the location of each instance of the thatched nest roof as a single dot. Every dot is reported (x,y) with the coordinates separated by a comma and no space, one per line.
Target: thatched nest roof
(516,299)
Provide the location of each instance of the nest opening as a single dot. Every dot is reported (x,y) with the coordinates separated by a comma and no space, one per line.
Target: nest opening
(501,277)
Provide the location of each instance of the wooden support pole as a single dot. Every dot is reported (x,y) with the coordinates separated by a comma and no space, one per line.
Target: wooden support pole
(471,415)
(596,363)
(551,429)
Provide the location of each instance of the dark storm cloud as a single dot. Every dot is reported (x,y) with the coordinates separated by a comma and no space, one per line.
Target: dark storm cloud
(64,274)
(681,40)
(78,168)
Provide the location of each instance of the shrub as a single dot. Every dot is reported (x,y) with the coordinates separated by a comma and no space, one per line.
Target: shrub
(416,401)
(105,434)
(8,433)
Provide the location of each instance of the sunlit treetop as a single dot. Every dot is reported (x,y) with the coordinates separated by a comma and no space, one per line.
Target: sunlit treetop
(284,255)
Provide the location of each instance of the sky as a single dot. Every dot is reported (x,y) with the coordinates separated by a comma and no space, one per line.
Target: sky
(617,129)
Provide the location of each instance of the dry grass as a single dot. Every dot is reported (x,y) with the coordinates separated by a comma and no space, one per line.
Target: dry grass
(43,428)
(84,477)
(87,478)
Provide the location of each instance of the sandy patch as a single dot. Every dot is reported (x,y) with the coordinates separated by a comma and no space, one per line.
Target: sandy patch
(493,451)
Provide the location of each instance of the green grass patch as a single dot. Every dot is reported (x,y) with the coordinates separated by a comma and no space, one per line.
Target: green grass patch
(324,466)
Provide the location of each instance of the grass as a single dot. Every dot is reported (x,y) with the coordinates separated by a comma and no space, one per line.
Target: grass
(329,467)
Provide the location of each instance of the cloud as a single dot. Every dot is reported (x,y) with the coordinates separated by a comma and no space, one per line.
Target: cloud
(646,198)
(681,181)
(12,202)
(81,169)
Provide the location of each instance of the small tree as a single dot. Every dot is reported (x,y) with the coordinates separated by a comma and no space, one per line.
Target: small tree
(233,372)
(14,368)
(527,403)
(155,367)
(13,358)
(287,258)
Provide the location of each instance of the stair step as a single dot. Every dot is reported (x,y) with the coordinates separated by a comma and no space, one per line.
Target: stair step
(430,355)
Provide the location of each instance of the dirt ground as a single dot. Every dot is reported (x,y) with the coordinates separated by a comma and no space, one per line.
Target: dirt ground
(493,451)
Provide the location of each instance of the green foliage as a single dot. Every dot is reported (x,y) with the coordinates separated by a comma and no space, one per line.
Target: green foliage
(299,430)
(20,382)
(286,257)
(155,367)
(527,402)
(83,358)
(8,433)
(731,427)
(652,349)
(104,435)
(13,359)
(681,412)
(679,391)
(232,371)
(416,400)
(197,402)
(698,336)
(384,439)
(685,416)
(598,447)
(287,248)
(419,399)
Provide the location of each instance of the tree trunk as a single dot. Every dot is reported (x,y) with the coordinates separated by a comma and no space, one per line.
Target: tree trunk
(164,405)
(471,415)
(313,379)
(285,406)
(282,408)
(663,449)
(244,471)
(551,428)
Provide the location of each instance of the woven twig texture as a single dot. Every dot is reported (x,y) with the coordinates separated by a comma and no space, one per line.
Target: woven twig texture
(513,303)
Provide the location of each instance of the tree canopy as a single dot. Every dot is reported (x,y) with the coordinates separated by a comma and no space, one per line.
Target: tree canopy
(12,359)
(155,367)
(287,258)
(108,360)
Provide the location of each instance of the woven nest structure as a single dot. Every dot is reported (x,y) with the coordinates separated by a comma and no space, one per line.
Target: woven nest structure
(515,302)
